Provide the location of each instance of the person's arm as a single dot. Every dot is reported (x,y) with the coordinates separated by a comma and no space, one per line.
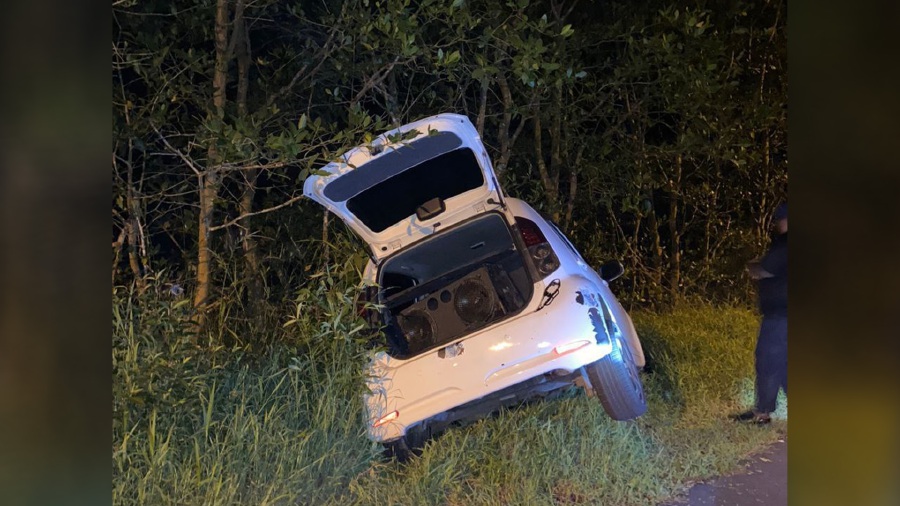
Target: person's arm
(773,263)
(756,270)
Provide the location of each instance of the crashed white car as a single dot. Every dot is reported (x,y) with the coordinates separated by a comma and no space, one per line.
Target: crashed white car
(484,303)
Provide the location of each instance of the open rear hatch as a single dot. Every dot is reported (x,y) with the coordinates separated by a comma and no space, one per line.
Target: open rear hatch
(409,183)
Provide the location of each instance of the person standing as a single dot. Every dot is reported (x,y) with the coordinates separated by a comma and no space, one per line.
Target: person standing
(770,273)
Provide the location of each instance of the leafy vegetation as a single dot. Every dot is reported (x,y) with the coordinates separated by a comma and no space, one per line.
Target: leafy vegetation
(651,132)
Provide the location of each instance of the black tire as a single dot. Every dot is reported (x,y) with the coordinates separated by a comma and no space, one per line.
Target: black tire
(617,383)
(408,446)
(398,450)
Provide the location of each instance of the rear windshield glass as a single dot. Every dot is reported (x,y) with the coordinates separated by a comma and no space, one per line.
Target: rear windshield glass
(397,198)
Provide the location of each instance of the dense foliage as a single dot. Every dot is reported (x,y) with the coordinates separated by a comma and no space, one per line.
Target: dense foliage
(653,132)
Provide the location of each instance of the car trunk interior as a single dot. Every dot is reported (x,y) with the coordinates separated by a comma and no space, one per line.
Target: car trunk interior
(452,284)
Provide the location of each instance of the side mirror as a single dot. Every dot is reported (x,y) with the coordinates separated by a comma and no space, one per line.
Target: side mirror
(611,270)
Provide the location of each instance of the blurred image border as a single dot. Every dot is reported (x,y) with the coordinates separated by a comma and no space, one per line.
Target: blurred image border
(54,230)
(845,281)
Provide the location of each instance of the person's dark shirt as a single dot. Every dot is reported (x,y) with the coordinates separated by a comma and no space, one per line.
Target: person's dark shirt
(773,291)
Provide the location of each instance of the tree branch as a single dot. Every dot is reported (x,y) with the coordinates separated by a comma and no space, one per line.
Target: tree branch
(188,161)
(255,213)
(236,29)
(327,48)
(376,79)
(521,126)
(482,107)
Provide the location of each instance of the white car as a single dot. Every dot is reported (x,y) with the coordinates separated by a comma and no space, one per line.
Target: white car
(484,303)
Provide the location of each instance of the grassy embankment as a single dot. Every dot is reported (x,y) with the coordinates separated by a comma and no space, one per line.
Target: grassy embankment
(209,424)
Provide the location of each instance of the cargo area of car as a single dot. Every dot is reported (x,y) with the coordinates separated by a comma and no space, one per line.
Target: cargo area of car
(452,284)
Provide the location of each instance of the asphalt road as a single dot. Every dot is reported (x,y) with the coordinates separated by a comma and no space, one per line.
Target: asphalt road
(762,481)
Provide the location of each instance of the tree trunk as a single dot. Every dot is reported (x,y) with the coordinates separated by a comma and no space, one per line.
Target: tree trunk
(248,243)
(549,185)
(132,227)
(506,139)
(242,44)
(207,184)
(505,123)
(674,232)
(635,240)
(573,187)
(117,252)
(764,204)
(712,206)
(657,255)
(556,141)
(482,109)
(389,90)
(208,181)
(133,261)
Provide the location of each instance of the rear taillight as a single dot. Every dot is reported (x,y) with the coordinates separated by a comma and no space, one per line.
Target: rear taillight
(386,418)
(570,347)
(531,233)
(542,255)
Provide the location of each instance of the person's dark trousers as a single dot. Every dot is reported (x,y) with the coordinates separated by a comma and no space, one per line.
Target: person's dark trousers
(771,362)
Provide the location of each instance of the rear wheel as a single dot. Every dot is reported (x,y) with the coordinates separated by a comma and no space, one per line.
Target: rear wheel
(616,382)
(408,446)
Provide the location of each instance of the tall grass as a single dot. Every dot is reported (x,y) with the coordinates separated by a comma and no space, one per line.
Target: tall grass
(198,423)
(202,423)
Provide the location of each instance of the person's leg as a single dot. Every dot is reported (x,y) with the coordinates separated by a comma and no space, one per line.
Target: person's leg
(784,380)
(784,373)
(771,369)
(771,362)
(783,362)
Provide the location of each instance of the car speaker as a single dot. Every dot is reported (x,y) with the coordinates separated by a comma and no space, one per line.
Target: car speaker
(460,307)
(418,328)
(474,301)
